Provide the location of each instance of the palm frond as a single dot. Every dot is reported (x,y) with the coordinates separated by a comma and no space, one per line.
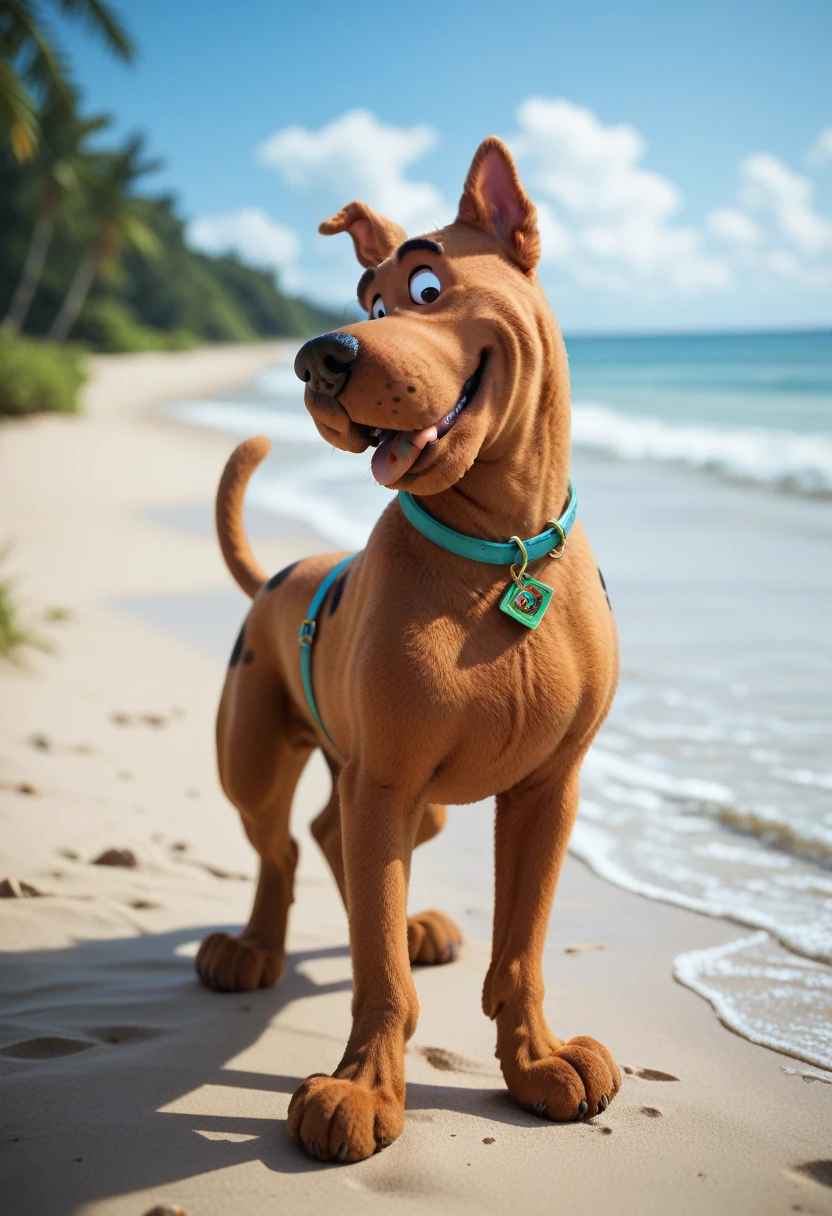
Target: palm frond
(104,20)
(41,64)
(17,113)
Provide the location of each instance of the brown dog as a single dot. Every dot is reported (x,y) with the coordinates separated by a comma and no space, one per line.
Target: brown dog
(431,693)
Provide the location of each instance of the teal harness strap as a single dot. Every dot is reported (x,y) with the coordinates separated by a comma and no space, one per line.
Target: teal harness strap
(486,550)
(307,636)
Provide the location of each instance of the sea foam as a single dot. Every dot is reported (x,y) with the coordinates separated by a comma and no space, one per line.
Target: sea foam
(771,457)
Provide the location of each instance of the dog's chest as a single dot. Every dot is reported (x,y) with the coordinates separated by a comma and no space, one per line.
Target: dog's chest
(499,694)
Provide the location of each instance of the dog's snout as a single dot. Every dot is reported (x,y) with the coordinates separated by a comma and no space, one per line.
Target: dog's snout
(324,363)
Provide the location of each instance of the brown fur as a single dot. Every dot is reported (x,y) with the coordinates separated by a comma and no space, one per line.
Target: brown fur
(432,694)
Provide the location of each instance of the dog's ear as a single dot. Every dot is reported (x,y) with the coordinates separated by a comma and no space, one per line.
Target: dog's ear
(374,237)
(494,200)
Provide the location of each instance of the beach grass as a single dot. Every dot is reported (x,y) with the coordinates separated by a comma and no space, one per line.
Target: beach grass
(15,635)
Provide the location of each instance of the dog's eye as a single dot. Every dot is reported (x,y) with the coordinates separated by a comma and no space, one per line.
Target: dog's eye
(424,286)
(378,309)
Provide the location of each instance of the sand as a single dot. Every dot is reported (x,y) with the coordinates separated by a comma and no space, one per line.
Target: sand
(122,1082)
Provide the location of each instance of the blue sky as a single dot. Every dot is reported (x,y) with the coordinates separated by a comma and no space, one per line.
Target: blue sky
(680,156)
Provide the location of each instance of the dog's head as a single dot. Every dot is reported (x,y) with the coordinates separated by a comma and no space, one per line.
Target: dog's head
(447,368)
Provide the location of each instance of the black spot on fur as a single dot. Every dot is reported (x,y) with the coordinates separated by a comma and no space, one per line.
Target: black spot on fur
(237,652)
(606,593)
(338,592)
(277,579)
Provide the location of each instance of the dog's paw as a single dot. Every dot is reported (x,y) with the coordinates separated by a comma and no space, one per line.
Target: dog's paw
(232,964)
(578,1080)
(432,937)
(339,1120)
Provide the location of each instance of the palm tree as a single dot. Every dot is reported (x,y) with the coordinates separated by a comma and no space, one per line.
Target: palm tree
(55,173)
(117,222)
(32,66)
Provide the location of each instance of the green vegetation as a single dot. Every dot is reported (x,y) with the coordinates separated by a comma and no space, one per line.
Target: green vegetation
(83,254)
(13,635)
(32,67)
(37,376)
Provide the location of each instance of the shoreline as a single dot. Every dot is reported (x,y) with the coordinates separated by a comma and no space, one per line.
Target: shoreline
(198,1083)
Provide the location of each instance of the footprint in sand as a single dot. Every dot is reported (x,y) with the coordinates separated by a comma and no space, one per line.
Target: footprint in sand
(117,857)
(652,1112)
(47,1047)
(124,1034)
(16,888)
(449,1061)
(120,718)
(648,1074)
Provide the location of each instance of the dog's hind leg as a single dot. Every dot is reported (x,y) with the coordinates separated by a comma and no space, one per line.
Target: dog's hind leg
(560,1081)
(432,937)
(262,749)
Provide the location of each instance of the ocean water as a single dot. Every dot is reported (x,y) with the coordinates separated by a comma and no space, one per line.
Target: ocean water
(710,786)
(755,407)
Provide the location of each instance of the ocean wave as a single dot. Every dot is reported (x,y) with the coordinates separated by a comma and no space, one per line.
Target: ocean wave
(810,840)
(782,458)
(766,995)
(243,419)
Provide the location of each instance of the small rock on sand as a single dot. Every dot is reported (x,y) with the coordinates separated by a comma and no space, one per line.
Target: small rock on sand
(117,857)
(15,888)
(166,1209)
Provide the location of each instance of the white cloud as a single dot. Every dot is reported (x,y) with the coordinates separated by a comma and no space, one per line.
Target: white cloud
(775,234)
(253,235)
(356,156)
(606,220)
(608,223)
(729,224)
(785,199)
(821,149)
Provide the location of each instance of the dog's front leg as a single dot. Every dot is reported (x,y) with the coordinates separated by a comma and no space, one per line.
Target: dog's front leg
(360,1108)
(560,1081)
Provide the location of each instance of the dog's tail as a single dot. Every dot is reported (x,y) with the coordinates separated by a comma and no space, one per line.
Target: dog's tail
(242,563)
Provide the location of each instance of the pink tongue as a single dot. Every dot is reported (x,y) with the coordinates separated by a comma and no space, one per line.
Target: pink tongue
(393,458)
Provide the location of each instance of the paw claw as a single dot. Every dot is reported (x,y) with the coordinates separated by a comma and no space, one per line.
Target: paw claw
(540,1106)
(215,978)
(582,1109)
(384,1142)
(312,1148)
(603,1104)
(343,1149)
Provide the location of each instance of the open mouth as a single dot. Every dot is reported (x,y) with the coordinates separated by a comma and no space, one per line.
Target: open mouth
(397,451)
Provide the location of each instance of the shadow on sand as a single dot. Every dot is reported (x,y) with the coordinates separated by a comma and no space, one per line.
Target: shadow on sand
(98,1039)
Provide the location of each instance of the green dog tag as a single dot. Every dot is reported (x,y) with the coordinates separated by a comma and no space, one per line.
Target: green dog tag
(528,603)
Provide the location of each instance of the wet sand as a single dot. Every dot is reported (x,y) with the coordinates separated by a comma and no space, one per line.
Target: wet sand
(122,1082)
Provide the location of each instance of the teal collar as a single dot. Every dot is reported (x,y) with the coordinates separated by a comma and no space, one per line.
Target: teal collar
(486,550)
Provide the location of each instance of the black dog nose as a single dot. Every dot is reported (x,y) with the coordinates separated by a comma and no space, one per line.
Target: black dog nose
(324,363)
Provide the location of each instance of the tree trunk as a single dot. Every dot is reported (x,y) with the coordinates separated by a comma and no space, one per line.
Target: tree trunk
(76,296)
(32,269)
